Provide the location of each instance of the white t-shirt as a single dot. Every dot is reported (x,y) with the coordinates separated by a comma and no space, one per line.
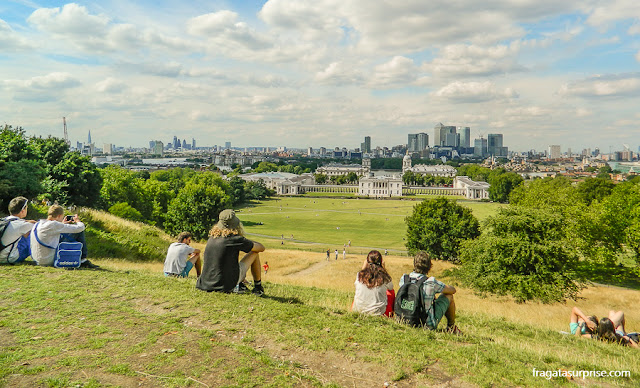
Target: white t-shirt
(14,231)
(372,301)
(177,257)
(49,233)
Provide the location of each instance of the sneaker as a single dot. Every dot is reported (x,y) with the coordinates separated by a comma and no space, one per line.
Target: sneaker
(258,290)
(241,288)
(88,264)
(454,330)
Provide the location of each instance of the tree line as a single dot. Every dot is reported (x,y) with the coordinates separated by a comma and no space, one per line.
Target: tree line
(551,239)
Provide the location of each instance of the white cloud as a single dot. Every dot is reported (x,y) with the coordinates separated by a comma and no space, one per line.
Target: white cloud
(111,85)
(223,29)
(212,23)
(50,81)
(612,11)
(72,20)
(473,60)
(339,73)
(10,41)
(638,56)
(399,71)
(474,92)
(634,29)
(604,86)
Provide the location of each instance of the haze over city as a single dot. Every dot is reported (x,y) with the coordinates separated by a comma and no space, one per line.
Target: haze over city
(323,73)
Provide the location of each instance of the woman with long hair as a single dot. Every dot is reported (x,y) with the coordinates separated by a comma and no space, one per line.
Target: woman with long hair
(581,325)
(611,329)
(374,288)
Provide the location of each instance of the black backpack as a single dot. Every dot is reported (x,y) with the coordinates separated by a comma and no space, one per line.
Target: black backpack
(3,227)
(409,304)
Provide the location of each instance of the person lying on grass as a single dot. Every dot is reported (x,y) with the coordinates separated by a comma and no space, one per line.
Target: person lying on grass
(434,308)
(221,270)
(374,287)
(181,257)
(611,329)
(586,324)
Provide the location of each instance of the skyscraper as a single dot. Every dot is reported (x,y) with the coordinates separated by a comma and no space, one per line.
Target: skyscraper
(193,143)
(89,137)
(367,144)
(554,151)
(494,144)
(437,134)
(176,143)
(417,142)
(465,136)
(227,145)
(480,147)
(184,144)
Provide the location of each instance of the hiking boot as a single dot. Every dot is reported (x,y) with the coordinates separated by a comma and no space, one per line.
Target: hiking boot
(454,330)
(241,288)
(258,290)
(88,264)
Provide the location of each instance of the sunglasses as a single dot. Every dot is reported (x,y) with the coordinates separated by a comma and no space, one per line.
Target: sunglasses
(26,203)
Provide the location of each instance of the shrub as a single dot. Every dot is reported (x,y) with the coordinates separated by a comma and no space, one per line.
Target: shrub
(438,226)
(524,253)
(124,210)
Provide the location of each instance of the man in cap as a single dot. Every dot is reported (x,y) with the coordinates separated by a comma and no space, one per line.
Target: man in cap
(221,270)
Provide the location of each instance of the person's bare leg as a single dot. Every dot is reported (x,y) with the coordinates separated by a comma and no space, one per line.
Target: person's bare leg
(251,260)
(450,314)
(256,269)
(198,264)
(617,317)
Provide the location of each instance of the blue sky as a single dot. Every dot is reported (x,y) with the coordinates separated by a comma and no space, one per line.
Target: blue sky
(323,73)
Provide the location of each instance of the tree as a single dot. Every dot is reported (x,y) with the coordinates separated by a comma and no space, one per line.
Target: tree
(502,185)
(351,177)
(124,186)
(320,179)
(256,190)
(14,145)
(82,177)
(22,177)
(592,189)
(522,252)
(50,150)
(438,226)
(237,189)
(196,208)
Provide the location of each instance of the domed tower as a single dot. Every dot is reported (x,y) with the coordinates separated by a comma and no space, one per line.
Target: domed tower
(406,163)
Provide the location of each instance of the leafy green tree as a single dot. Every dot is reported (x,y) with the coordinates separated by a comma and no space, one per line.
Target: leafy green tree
(594,189)
(604,171)
(196,208)
(237,189)
(160,194)
(552,193)
(256,190)
(123,210)
(408,177)
(320,179)
(522,252)
(14,145)
(502,185)
(50,150)
(82,177)
(266,167)
(438,226)
(351,177)
(475,172)
(22,177)
(175,177)
(124,186)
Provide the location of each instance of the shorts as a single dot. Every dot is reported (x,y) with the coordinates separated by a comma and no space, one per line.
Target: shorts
(184,273)
(243,272)
(440,306)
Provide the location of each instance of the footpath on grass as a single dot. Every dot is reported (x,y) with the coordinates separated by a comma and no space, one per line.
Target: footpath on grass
(136,328)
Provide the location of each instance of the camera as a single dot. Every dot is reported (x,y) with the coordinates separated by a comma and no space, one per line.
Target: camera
(68,218)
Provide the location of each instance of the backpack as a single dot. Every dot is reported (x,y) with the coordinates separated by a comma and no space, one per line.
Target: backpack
(409,304)
(4,223)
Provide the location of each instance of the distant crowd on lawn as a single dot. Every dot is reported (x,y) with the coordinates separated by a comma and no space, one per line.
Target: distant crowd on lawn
(421,300)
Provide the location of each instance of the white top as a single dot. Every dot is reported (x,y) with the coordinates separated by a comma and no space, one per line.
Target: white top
(372,301)
(14,231)
(49,233)
(177,257)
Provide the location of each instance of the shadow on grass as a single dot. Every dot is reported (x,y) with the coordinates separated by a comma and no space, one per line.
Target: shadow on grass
(619,276)
(287,300)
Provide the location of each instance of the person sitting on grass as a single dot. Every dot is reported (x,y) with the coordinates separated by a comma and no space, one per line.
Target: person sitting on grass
(221,270)
(586,324)
(181,257)
(435,308)
(374,288)
(46,235)
(611,329)
(14,239)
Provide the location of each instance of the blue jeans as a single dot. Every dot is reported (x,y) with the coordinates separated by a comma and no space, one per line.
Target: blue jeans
(76,237)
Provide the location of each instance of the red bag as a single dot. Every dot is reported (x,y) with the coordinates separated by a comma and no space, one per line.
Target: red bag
(391,297)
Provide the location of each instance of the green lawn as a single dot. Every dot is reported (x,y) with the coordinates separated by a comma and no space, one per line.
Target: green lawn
(332,222)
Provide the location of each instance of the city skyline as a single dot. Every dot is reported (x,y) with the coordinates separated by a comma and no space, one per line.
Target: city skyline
(327,73)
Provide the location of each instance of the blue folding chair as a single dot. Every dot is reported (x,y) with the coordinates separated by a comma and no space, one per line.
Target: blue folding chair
(68,255)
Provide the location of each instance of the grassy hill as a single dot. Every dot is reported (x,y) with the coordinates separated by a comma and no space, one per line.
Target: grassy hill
(128,325)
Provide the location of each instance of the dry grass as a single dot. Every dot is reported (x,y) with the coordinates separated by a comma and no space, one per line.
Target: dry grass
(311,269)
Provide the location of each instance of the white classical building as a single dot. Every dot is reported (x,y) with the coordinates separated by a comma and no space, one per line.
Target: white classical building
(380,186)
(472,189)
(281,182)
(335,169)
(435,170)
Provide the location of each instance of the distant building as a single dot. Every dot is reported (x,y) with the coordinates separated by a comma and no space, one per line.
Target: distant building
(465,136)
(380,187)
(107,149)
(435,170)
(417,142)
(158,148)
(193,143)
(480,148)
(366,145)
(89,137)
(309,151)
(472,189)
(554,152)
(495,145)
(334,169)
(227,145)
